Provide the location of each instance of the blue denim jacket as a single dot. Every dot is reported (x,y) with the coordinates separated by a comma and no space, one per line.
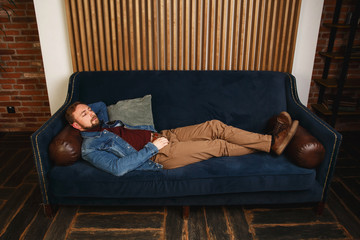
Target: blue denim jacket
(109,152)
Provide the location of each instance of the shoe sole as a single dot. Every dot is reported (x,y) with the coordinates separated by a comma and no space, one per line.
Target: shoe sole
(288,138)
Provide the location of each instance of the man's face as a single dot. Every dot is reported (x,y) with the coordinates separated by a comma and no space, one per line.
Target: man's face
(85,118)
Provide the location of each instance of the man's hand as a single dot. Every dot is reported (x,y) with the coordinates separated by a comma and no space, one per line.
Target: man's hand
(161,142)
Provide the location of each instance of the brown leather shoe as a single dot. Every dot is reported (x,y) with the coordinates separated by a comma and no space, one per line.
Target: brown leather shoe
(283,132)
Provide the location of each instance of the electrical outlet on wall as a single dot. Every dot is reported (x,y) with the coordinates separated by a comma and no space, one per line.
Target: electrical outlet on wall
(11,109)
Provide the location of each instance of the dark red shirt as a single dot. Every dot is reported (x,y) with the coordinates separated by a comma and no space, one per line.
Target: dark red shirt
(136,138)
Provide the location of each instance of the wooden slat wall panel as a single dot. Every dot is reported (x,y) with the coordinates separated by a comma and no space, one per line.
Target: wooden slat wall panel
(182,34)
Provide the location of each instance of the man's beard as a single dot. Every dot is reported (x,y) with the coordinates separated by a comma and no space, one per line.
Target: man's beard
(93,125)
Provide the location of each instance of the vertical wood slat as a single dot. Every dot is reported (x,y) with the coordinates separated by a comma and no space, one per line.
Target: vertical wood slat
(108,42)
(156,34)
(95,39)
(229,33)
(101,34)
(126,35)
(119,32)
(168,10)
(182,34)
(71,34)
(144,51)
(113,32)
(205,34)
(175,30)
(295,11)
(267,28)
(187,35)
(76,41)
(133,56)
(211,45)
(150,36)
(193,35)
(81,22)
(218,24)
(88,35)
(162,34)
(198,35)
(236,35)
(138,36)
(242,45)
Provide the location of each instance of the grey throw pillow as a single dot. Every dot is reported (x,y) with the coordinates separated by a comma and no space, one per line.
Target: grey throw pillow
(133,112)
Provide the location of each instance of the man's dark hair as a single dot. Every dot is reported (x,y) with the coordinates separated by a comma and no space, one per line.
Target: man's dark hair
(69,112)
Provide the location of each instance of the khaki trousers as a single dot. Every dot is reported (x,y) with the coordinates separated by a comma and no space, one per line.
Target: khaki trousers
(200,142)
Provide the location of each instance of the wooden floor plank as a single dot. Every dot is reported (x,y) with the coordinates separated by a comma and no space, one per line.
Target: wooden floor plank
(15,144)
(197,224)
(347,198)
(61,223)
(346,162)
(354,185)
(120,221)
(120,209)
(15,140)
(238,223)
(314,231)
(32,177)
(7,156)
(13,205)
(24,217)
(115,235)
(347,219)
(286,215)
(18,177)
(38,227)
(351,144)
(5,192)
(216,223)
(2,157)
(174,223)
(346,172)
(12,165)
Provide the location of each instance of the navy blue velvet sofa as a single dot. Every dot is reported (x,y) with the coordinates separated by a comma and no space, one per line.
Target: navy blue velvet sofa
(245,99)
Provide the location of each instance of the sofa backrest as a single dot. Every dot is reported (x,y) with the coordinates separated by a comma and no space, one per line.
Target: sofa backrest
(243,99)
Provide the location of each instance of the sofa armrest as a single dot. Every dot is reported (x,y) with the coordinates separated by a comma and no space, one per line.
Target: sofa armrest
(40,141)
(42,138)
(327,135)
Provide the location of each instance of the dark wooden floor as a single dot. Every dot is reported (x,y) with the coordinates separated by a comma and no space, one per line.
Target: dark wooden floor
(21,215)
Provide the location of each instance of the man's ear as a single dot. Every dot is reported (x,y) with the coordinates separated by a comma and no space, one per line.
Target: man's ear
(76,126)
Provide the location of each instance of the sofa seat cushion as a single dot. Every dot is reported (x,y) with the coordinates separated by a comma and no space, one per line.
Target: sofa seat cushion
(259,172)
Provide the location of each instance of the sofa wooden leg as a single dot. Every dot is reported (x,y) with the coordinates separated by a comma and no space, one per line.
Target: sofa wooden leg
(186,212)
(49,210)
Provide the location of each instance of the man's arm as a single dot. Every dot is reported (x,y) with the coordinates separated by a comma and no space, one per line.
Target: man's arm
(119,165)
(101,111)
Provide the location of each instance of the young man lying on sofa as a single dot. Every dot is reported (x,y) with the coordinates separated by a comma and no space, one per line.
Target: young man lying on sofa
(118,148)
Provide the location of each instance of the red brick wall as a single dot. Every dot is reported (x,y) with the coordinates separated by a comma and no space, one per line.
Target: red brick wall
(335,68)
(22,82)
